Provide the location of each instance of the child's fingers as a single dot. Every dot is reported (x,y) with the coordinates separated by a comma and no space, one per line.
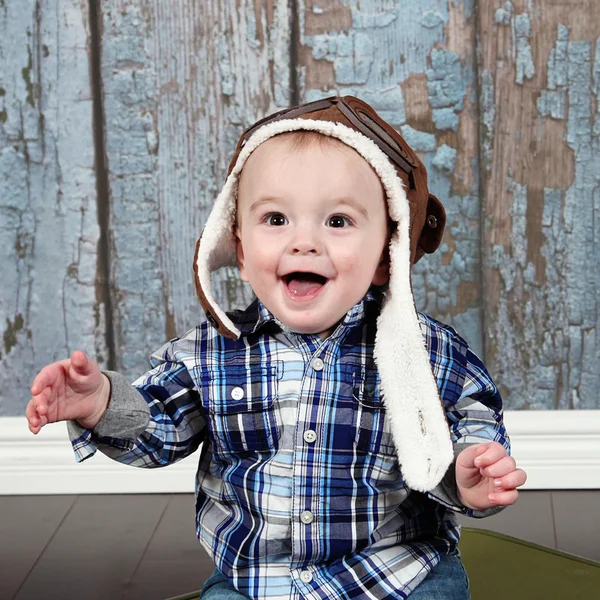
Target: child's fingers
(47,376)
(503,498)
(502,467)
(511,481)
(41,401)
(493,453)
(43,379)
(36,428)
(34,420)
(33,428)
(80,362)
(32,414)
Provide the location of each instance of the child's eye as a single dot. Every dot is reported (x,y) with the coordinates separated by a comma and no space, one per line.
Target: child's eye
(276,219)
(338,221)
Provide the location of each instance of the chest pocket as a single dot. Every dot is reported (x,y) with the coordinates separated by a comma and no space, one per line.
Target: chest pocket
(373,433)
(240,404)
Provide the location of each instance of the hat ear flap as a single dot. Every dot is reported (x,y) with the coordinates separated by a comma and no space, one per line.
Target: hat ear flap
(433,230)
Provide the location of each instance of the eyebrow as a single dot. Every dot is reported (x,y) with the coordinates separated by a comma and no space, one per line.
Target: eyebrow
(258,203)
(355,205)
(344,201)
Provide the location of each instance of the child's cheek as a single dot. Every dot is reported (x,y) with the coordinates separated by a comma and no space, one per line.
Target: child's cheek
(348,263)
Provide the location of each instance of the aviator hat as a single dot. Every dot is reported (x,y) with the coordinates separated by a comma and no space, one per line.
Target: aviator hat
(410,393)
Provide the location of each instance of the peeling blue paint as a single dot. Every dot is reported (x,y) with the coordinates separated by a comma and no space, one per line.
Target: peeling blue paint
(431,19)
(227,77)
(368,19)
(522,32)
(437,284)
(445,81)
(487,110)
(445,159)
(418,140)
(597,70)
(557,61)
(149,126)
(564,303)
(394,57)
(251,33)
(352,55)
(445,119)
(504,15)
(552,101)
(47,183)
(389,103)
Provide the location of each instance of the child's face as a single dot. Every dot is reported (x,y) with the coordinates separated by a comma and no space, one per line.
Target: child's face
(312,231)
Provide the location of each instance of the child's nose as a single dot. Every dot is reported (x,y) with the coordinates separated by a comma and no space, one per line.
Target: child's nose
(305,242)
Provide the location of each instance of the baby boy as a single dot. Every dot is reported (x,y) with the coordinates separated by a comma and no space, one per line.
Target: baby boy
(342,431)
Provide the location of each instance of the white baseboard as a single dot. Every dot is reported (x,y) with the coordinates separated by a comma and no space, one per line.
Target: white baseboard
(558,449)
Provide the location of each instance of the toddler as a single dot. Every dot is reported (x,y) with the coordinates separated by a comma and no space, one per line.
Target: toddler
(341,430)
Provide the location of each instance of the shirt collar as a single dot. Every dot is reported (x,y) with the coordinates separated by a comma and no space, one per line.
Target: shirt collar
(258,315)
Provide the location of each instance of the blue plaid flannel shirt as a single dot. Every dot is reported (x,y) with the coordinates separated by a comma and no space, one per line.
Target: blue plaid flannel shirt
(299,491)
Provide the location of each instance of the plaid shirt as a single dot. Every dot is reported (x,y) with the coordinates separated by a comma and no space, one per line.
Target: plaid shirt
(299,491)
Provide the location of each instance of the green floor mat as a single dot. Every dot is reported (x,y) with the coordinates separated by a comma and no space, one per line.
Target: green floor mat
(506,568)
(503,567)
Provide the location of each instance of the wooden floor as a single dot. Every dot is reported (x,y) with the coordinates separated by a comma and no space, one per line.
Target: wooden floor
(144,546)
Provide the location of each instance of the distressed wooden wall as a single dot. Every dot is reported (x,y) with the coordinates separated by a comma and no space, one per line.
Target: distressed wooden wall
(49,298)
(540,78)
(104,186)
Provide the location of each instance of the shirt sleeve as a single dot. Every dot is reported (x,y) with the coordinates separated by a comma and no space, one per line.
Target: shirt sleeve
(474,418)
(153,422)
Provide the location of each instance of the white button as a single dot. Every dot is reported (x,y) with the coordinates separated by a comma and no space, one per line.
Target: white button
(310,436)
(317,364)
(237,393)
(307,517)
(306,576)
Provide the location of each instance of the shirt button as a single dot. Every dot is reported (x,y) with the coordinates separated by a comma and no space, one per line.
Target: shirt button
(310,436)
(237,393)
(306,576)
(317,364)
(307,517)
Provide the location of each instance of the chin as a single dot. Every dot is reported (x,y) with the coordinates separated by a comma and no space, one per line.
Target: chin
(315,329)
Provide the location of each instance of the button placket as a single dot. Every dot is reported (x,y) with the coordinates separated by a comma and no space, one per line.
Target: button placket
(306,576)
(310,436)
(307,517)
(317,364)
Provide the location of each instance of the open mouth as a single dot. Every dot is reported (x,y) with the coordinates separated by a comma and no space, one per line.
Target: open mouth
(304,285)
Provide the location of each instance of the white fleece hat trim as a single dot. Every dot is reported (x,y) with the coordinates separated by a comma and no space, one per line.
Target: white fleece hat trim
(410,393)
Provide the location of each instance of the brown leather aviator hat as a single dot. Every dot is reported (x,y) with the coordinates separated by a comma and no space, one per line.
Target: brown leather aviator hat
(414,410)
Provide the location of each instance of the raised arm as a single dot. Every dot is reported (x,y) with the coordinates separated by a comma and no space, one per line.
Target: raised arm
(153,422)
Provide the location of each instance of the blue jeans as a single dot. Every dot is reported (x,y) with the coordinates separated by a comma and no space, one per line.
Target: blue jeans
(447,581)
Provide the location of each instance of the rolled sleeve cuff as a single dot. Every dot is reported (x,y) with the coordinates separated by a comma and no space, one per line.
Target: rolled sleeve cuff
(126,418)
(446,493)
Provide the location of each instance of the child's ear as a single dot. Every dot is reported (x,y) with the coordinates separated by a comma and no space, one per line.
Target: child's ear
(239,250)
(382,273)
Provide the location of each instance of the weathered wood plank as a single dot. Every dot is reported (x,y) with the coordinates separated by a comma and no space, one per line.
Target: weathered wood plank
(180,81)
(540,77)
(49,231)
(414,62)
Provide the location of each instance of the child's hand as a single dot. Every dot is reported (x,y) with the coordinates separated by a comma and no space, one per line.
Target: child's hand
(73,388)
(487,476)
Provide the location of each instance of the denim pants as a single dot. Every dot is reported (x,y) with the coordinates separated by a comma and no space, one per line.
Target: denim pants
(447,581)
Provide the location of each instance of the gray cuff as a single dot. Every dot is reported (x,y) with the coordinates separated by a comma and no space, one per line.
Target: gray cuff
(447,491)
(127,415)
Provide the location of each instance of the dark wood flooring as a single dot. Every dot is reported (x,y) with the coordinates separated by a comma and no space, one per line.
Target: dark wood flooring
(134,547)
